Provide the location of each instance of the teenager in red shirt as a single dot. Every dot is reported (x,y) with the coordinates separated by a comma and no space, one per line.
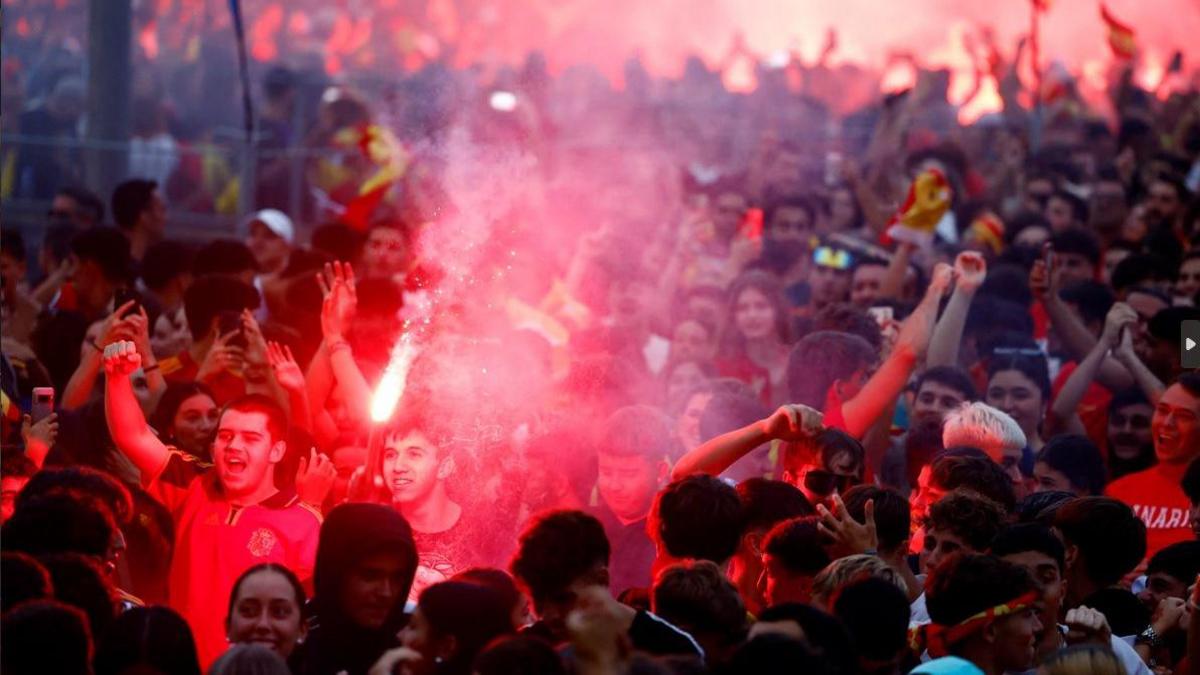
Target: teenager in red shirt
(1155,493)
(226,520)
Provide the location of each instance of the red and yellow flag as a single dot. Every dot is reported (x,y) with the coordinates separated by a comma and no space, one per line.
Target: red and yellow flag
(927,201)
(1120,35)
(988,229)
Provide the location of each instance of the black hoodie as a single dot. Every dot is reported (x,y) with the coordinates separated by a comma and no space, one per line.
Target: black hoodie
(350,533)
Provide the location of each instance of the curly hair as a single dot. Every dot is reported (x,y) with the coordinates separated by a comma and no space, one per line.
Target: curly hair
(798,545)
(969,516)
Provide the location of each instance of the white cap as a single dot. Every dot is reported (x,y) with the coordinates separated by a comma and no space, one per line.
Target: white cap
(276,221)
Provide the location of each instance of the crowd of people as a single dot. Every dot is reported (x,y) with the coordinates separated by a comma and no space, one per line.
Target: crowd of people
(679,386)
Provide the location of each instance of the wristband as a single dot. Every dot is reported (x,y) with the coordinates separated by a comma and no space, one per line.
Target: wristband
(340,344)
(150,368)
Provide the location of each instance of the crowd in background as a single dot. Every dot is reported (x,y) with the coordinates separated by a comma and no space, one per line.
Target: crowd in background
(689,380)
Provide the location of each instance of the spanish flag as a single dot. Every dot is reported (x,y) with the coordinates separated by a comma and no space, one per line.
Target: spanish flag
(388,159)
(927,201)
(988,229)
(1120,36)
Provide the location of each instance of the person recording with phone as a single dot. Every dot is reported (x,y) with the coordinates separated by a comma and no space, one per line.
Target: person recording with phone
(218,354)
(128,321)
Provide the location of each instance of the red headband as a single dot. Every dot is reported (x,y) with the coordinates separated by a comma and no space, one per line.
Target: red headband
(936,638)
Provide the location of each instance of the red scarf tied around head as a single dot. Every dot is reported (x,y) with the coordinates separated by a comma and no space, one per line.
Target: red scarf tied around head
(937,639)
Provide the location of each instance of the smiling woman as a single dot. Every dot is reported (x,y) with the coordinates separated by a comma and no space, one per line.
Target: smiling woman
(265,608)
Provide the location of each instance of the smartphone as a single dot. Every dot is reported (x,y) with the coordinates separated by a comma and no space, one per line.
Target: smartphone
(229,322)
(124,295)
(1048,256)
(43,403)
(883,315)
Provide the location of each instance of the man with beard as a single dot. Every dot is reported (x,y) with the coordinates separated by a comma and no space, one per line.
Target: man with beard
(1130,444)
(1166,198)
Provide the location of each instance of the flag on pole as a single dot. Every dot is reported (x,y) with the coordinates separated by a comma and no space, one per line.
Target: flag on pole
(1120,35)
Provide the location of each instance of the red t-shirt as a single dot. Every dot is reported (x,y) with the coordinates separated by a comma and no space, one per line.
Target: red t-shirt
(1093,407)
(215,542)
(1157,498)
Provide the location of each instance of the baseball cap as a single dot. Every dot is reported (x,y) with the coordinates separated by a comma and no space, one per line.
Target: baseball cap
(276,221)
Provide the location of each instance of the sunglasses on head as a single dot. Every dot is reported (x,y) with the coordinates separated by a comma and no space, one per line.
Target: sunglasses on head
(1016,351)
(824,483)
(835,258)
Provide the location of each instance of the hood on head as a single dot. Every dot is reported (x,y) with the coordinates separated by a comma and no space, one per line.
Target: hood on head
(350,533)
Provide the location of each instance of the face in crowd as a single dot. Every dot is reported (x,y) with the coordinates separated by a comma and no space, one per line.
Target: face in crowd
(266,611)
(412,467)
(245,453)
(628,483)
(1176,426)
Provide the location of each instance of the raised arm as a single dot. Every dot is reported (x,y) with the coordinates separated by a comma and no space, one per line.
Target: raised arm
(892,285)
(337,313)
(1148,381)
(789,423)
(290,379)
(861,411)
(126,423)
(1064,413)
(1075,336)
(970,271)
(79,388)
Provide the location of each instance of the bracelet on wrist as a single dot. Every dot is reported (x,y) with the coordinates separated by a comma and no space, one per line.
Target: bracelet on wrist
(150,368)
(98,348)
(335,346)
(1149,637)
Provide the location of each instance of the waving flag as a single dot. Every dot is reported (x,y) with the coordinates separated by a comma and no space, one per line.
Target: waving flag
(387,160)
(988,229)
(1120,35)
(927,201)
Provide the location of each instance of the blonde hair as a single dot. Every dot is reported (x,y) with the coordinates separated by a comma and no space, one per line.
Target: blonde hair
(845,571)
(979,425)
(1083,660)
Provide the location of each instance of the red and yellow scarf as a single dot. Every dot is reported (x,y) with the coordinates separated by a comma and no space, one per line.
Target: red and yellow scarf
(937,639)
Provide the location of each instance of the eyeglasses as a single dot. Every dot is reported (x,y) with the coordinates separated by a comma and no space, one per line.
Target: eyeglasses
(836,258)
(823,483)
